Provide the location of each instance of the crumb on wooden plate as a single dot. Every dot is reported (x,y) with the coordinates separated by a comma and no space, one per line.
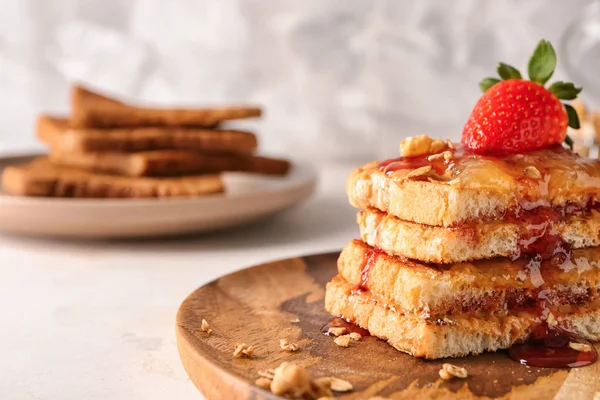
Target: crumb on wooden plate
(343,341)
(287,346)
(450,371)
(205,327)
(243,350)
(336,331)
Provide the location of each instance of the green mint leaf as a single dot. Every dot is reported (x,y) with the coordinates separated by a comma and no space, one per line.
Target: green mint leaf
(573,118)
(565,90)
(542,63)
(569,141)
(508,72)
(487,83)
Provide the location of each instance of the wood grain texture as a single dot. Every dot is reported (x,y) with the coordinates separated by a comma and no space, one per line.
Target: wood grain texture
(259,305)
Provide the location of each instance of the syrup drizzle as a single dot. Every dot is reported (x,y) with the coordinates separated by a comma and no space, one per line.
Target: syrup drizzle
(342,322)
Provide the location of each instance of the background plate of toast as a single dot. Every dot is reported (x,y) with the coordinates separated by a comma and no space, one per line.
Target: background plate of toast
(246,198)
(119,170)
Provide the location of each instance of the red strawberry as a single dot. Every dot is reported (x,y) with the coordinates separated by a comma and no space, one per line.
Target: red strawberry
(517,115)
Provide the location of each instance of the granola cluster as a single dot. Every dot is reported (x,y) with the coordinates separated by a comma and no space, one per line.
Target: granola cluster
(421,145)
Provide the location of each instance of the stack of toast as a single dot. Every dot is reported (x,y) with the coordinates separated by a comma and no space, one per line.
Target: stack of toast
(107,148)
(463,253)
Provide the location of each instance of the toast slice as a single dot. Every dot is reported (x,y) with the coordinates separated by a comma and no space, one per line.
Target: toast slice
(497,286)
(57,134)
(169,163)
(477,241)
(454,336)
(42,178)
(469,188)
(92,110)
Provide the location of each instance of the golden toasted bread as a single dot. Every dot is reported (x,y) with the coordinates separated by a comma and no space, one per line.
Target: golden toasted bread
(469,188)
(92,110)
(452,336)
(42,178)
(494,285)
(474,241)
(62,139)
(168,163)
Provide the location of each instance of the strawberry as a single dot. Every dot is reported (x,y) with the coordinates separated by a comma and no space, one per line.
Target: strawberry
(515,114)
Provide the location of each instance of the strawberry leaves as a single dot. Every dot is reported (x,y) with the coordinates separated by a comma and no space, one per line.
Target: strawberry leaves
(508,72)
(573,117)
(564,90)
(569,142)
(542,63)
(487,83)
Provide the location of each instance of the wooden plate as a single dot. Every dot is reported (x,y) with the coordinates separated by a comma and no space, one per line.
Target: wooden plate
(259,305)
(248,198)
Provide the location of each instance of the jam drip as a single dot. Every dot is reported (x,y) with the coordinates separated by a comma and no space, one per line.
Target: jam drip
(344,323)
(554,348)
(540,237)
(370,259)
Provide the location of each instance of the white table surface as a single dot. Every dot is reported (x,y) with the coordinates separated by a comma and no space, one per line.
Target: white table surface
(96,320)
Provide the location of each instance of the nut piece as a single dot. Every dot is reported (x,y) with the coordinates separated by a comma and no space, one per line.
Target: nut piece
(355,336)
(290,379)
(420,172)
(446,155)
(343,341)
(205,327)
(336,331)
(263,383)
(420,145)
(532,172)
(243,350)
(434,157)
(449,371)
(340,385)
(287,346)
(582,347)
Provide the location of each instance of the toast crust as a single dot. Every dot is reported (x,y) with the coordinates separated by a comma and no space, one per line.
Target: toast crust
(93,110)
(42,178)
(454,336)
(473,241)
(498,285)
(469,188)
(168,163)
(56,133)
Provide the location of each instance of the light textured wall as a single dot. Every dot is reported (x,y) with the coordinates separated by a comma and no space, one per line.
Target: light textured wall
(339,78)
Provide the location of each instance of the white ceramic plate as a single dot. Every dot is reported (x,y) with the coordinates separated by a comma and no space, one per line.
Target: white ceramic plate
(248,198)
